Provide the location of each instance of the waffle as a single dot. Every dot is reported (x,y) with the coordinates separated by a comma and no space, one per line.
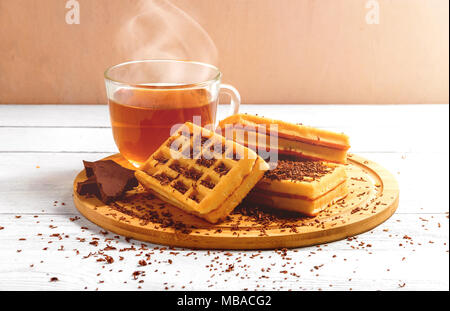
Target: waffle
(201,172)
(306,187)
(294,140)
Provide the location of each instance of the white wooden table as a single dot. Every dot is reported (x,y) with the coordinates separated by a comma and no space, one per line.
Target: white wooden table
(41,237)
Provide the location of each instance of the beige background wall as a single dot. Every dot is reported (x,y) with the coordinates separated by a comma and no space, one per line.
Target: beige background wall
(273,51)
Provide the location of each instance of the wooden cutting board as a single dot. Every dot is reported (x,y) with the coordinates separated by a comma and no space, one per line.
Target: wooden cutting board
(373,198)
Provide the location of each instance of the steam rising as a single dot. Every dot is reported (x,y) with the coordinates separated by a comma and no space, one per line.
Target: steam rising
(160,30)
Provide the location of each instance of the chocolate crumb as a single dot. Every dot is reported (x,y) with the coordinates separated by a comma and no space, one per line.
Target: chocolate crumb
(177,167)
(222,169)
(161,159)
(298,170)
(193,174)
(163,178)
(205,162)
(207,184)
(180,187)
(194,197)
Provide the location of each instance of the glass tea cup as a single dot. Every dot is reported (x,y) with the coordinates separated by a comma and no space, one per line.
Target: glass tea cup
(147,97)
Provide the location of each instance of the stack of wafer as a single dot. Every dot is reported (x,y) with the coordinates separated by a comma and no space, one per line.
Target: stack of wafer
(311,176)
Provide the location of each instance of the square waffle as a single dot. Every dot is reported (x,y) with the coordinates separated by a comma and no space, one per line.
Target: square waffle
(306,187)
(201,172)
(294,140)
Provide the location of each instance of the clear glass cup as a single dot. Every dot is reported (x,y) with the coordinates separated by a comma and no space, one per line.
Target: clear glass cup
(147,97)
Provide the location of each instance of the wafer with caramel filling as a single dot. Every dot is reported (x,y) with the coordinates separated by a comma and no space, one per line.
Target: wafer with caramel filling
(306,187)
(294,140)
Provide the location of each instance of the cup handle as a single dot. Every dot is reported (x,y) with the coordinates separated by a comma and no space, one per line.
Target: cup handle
(234,95)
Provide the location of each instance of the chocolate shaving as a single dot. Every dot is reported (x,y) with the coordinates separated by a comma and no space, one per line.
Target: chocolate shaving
(180,187)
(195,198)
(177,167)
(205,162)
(207,184)
(222,169)
(163,178)
(298,170)
(161,159)
(193,174)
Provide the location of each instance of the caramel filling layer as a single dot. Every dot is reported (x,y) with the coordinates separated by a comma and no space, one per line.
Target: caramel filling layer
(266,192)
(294,138)
(293,153)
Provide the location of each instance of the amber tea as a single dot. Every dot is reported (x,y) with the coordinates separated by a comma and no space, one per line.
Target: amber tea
(142,118)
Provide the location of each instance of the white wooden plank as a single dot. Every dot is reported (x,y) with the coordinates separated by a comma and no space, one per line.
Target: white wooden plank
(423,179)
(408,252)
(376,116)
(363,139)
(56,140)
(33,182)
(24,188)
(54,115)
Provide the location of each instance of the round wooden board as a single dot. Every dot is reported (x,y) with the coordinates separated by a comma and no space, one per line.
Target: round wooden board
(373,198)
